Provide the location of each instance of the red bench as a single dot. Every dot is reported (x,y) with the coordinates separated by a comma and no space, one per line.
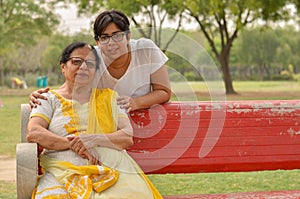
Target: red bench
(193,137)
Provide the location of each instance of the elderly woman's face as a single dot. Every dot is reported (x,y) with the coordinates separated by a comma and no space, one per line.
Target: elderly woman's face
(81,66)
(113,42)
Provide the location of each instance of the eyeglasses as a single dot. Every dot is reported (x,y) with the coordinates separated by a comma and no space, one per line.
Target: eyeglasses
(117,37)
(77,61)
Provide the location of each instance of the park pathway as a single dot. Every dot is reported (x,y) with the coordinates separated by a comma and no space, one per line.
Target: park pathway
(7,169)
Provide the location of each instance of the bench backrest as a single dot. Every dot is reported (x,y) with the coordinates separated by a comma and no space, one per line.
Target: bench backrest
(25,112)
(189,137)
(185,137)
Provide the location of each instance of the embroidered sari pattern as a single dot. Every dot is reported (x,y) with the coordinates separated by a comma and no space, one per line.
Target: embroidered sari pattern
(78,182)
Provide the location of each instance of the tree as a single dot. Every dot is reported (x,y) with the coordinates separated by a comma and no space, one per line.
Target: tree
(223,20)
(21,23)
(258,48)
(148,16)
(56,44)
(297,5)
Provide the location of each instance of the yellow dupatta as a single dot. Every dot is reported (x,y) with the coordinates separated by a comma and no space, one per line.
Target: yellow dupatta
(79,181)
(103,118)
(103,114)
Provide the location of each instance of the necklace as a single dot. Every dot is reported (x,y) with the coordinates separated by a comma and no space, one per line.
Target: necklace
(119,67)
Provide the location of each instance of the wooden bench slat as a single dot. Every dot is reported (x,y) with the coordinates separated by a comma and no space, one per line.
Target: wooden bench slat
(242,142)
(218,136)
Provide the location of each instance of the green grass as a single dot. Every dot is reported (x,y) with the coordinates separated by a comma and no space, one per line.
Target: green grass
(246,90)
(7,190)
(278,86)
(212,183)
(174,184)
(208,183)
(10,123)
(241,86)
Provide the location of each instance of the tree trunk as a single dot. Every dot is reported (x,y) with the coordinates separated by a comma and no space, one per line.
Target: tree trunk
(223,59)
(1,73)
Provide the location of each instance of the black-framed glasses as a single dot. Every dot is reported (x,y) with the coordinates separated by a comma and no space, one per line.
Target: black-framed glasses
(117,37)
(77,61)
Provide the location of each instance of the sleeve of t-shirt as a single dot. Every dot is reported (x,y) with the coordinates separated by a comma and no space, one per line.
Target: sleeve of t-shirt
(153,53)
(44,110)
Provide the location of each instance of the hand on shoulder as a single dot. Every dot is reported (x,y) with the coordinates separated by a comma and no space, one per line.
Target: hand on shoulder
(36,95)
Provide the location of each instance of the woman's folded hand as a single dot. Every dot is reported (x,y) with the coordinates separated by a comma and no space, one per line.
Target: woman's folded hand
(78,147)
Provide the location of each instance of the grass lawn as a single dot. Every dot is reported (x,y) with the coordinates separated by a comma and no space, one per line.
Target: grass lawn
(7,190)
(10,120)
(209,183)
(170,184)
(246,90)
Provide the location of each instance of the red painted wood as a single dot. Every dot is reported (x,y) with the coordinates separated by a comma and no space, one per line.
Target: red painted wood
(231,136)
(252,195)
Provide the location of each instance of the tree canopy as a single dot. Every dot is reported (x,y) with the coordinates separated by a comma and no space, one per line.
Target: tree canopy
(220,21)
(223,20)
(148,17)
(21,23)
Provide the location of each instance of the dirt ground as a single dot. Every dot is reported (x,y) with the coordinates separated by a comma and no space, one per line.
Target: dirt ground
(7,169)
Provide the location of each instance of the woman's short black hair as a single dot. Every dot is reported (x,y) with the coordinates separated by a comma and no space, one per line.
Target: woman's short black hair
(66,54)
(107,17)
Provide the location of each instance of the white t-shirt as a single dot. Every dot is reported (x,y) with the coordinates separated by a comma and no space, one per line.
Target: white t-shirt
(146,58)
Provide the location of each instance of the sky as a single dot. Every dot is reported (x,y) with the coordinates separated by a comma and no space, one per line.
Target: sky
(71,23)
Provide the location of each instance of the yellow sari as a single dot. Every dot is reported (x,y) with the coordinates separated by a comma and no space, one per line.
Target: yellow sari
(118,177)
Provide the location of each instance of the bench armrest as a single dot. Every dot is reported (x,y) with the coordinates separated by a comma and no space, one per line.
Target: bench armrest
(27,169)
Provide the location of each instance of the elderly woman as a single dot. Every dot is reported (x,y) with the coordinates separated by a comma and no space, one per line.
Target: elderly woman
(84,134)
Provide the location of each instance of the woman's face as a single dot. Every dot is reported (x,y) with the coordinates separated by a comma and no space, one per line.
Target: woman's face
(81,66)
(113,49)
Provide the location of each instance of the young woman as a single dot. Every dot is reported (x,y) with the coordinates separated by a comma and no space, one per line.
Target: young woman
(134,68)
